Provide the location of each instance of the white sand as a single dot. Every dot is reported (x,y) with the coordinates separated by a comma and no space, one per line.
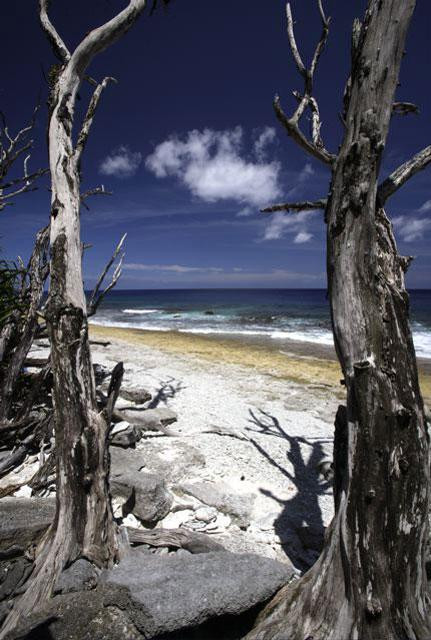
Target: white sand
(287,429)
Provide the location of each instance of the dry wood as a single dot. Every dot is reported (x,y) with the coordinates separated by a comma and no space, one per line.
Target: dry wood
(404,108)
(18,332)
(12,148)
(84,524)
(315,146)
(296,207)
(403,173)
(370,580)
(98,295)
(174,538)
(113,390)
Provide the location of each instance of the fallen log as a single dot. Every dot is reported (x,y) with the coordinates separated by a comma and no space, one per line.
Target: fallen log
(35,362)
(174,538)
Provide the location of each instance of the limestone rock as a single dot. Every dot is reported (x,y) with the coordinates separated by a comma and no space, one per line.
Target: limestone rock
(194,589)
(145,494)
(238,506)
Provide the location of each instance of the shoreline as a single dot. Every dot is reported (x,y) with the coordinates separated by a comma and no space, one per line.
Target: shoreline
(302,362)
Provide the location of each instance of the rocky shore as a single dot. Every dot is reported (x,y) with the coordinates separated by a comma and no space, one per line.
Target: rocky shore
(215,450)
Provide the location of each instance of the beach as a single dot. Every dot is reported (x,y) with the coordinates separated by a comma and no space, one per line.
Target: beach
(254,421)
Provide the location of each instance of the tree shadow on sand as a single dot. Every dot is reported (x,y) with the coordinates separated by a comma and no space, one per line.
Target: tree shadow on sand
(168,389)
(299,526)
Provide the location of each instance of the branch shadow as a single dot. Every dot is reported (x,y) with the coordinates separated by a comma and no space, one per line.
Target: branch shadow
(168,389)
(299,526)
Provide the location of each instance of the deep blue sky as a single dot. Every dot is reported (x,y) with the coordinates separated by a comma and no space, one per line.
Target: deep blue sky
(214,67)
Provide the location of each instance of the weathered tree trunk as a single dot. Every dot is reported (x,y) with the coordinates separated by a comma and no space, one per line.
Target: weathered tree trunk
(84,524)
(370,581)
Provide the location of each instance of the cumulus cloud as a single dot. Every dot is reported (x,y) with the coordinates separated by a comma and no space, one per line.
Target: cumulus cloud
(282,223)
(425,207)
(265,138)
(306,173)
(411,229)
(121,163)
(302,236)
(212,166)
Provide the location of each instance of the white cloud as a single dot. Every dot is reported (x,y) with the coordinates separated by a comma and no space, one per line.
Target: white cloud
(121,163)
(172,268)
(282,223)
(245,211)
(411,229)
(302,236)
(306,173)
(210,165)
(425,207)
(265,138)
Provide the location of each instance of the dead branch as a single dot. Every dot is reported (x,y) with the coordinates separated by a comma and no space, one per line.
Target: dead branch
(296,207)
(97,191)
(89,117)
(315,146)
(404,108)
(175,538)
(403,173)
(58,46)
(11,149)
(114,390)
(18,332)
(97,295)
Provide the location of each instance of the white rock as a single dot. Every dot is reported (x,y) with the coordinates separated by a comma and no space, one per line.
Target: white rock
(176,519)
(120,426)
(23,492)
(206,514)
(131,521)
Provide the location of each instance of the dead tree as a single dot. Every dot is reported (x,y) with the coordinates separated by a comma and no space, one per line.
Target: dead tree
(84,524)
(19,325)
(14,149)
(18,331)
(370,580)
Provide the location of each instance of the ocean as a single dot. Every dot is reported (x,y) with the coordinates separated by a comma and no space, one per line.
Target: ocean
(281,315)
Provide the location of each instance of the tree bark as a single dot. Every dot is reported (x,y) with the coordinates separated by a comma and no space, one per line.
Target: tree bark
(84,525)
(370,580)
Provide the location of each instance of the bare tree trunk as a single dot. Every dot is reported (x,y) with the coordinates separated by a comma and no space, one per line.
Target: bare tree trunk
(84,524)
(370,581)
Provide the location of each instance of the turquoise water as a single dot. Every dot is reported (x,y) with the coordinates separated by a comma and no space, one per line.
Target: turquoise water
(279,314)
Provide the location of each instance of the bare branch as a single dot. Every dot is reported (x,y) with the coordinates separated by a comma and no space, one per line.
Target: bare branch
(307,205)
(316,124)
(293,46)
(11,149)
(97,191)
(88,120)
(306,101)
(59,48)
(294,131)
(323,38)
(404,108)
(400,176)
(97,295)
(24,178)
(98,39)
